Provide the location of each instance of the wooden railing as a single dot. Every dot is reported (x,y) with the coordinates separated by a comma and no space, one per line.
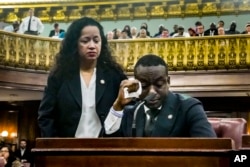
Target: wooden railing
(185,54)
(181,54)
(27,52)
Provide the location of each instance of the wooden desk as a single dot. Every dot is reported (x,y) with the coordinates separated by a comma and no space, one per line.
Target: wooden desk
(245,149)
(246,141)
(132,152)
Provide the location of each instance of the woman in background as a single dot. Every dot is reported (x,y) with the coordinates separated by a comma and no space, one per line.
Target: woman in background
(8,157)
(128,30)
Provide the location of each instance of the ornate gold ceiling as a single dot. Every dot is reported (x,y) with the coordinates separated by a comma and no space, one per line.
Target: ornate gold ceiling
(68,10)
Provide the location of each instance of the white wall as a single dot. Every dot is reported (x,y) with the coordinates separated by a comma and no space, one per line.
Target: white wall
(153,24)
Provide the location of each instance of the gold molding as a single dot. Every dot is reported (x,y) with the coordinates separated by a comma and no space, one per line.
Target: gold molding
(182,54)
(68,10)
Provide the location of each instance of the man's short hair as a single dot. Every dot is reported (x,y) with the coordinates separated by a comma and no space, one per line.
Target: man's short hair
(151,60)
(25,140)
(198,23)
(181,28)
(56,25)
(221,22)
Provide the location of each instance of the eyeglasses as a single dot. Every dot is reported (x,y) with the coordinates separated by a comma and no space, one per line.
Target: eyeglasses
(4,151)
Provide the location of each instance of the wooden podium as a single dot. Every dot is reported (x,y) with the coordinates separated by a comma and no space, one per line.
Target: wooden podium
(132,152)
(246,141)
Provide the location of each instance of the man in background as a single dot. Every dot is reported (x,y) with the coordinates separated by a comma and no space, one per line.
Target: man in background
(200,30)
(12,28)
(181,32)
(56,32)
(24,153)
(175,27)
(31,25)
(211,31)
(232,30)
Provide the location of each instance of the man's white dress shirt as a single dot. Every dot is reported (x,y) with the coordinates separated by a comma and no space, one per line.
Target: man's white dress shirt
(35,25)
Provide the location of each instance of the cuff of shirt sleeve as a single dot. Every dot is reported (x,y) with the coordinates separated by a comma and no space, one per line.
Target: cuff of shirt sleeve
(113,121)
(118,114)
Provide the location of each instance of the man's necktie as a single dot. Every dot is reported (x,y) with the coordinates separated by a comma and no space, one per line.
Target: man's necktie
(29,23)
(151,116)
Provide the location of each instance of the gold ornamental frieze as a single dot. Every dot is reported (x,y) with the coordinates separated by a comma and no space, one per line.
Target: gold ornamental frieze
(227,7)
(157,11)
(209,8)
(69,10)
(140,11)
(124,12)
(182,54)
(192,8)
(174,10)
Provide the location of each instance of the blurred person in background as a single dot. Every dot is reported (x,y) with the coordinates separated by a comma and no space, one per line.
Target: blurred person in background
(133,32)
(221,31)
(110,35)
(23,152)
(161,27)
(31,24)
(12,28)
(192,32)
(56,31)
(8,155)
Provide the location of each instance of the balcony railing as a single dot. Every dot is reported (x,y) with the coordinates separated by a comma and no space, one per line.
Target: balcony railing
(181,54)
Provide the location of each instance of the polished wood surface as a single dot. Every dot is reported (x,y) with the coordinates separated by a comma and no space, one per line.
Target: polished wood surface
(21,79)
(246,141)
(202,152)
(198,84)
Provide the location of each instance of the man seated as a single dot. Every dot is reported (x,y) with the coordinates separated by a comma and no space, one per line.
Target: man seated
(160,112)
(12,28)
(23,152)
(55,33)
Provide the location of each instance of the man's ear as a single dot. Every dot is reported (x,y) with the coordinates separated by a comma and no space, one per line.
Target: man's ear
(168,80)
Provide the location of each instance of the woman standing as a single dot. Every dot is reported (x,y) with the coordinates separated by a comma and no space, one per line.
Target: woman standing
(82,86)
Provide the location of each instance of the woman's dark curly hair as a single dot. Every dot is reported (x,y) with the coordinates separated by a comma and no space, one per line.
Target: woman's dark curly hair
(11,157)
(68,60)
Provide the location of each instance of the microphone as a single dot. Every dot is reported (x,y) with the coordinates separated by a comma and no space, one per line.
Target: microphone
(139,104)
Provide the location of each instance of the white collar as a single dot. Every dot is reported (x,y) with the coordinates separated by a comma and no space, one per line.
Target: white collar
(146,108)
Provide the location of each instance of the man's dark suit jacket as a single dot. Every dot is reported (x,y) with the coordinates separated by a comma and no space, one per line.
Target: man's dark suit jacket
(61,107)
(27,155)
(180,116)
(52,32)
(207,32)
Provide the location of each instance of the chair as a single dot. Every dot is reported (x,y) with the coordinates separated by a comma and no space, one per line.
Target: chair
(232,128)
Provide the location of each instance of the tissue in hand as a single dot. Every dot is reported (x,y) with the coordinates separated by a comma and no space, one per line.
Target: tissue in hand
(133,94)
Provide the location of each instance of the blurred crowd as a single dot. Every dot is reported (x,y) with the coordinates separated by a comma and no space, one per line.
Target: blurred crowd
(199,29)
(34,27)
